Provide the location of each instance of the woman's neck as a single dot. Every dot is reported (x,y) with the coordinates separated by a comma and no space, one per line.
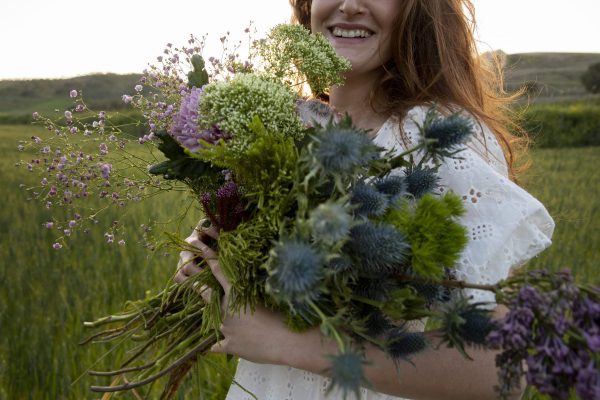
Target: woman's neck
(353,98)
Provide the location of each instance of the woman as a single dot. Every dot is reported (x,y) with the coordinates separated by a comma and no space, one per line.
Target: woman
(405,55)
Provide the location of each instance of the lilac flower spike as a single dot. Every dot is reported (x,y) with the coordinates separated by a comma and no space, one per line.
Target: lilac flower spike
(185,124)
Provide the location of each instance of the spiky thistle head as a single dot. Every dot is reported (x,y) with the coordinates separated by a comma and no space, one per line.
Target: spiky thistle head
(393,186)
(368,201)
(431,292)
(445,135)
(330,223)
(339,264)
(369,321)
(400,344)
(421,180)
(342,150)
(464,323)
(295,271)
(378,248)
(347,373)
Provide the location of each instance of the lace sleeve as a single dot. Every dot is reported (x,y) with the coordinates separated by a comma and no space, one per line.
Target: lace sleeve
(506,226)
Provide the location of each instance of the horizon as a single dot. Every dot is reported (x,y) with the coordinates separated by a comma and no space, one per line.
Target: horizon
(75,43)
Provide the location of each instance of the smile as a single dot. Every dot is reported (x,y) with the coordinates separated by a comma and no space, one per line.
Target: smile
(351,33)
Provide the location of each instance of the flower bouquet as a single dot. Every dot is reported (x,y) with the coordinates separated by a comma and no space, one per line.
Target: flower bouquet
(320,224)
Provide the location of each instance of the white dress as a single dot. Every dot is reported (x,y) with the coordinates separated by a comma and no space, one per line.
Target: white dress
(506,227)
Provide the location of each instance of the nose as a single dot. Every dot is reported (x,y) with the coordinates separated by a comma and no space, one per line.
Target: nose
(351,7)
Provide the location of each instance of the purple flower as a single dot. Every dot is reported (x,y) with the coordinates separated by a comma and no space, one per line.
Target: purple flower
(49,225)
(68,115)
(57,246)
(185,124)
(138,88)
(126,99)
(73,93)
(587,385)
(79,108)
(72,223)
(121,242)
(103,149)
(105,170)
(35,115)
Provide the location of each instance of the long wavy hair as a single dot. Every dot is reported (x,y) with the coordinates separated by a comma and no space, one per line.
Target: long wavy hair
(435,60)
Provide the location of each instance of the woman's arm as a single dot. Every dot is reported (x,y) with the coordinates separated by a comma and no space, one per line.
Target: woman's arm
(437,373)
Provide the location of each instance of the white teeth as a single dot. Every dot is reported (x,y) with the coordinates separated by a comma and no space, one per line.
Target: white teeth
(345,33)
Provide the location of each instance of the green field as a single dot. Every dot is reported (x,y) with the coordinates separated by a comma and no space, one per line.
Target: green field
(45,294)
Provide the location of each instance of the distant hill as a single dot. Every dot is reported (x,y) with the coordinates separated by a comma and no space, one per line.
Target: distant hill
(101,91)
(550,77)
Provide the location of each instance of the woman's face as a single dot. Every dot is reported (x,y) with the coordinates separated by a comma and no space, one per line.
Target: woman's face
(359,30)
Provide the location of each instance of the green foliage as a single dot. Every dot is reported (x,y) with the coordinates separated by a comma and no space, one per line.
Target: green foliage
(292,51)
(180,165)
(198,76)
(435,237)
(564,124)
(267,168)
(591,78)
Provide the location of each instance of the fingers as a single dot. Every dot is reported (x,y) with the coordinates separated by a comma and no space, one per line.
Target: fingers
(212,260)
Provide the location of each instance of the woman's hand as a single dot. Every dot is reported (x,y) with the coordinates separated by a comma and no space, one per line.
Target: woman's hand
(188,260)
(261,336)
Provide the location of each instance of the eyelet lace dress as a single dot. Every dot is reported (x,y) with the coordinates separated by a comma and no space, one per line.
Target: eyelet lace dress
(505,224)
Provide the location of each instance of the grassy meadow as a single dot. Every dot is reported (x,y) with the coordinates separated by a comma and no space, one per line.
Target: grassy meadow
(45,294)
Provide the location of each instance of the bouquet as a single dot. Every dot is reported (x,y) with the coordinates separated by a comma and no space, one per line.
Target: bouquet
(320,224)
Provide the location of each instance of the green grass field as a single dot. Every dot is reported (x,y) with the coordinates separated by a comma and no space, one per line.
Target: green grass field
(45,295)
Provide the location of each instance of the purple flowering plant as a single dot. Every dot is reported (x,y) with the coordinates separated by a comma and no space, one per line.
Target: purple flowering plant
(316,222)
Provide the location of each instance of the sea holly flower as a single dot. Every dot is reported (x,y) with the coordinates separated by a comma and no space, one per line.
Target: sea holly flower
(295,272)
(347,373)
(330,223)
(378,248)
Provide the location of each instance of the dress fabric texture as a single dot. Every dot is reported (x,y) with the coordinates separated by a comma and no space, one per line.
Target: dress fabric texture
(506,226)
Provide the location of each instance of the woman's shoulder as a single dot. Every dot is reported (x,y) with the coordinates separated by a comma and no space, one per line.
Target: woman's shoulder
(405,131)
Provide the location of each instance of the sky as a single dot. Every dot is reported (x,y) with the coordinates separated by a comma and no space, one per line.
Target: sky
(64,38)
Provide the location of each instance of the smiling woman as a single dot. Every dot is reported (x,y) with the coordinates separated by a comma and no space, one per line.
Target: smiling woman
(405,58)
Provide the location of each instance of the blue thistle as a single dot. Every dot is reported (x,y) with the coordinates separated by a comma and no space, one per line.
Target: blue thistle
(421,180)
(432,293)
(339,264)
(476,327)
(378,248)
(465,323)
(329,223)
(368,201)
(447,133)
(393,186)
(347,373)
(295,272)
(340,151)
(371,321)
(377,288)
(401,344)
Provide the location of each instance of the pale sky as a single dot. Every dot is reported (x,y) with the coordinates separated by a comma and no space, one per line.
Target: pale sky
(63,38)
